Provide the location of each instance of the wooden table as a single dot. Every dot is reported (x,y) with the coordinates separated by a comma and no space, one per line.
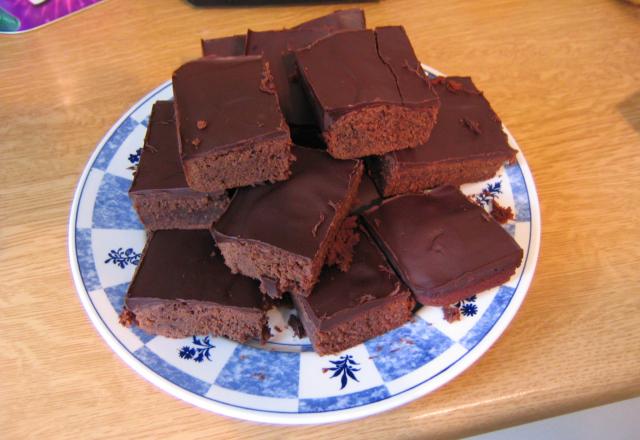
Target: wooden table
(565,78)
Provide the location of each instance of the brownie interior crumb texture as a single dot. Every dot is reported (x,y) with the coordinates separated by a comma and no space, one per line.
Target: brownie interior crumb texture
(183,288)
(159,191)
(369,92)
(280,233)
(501,214)
(444,247)
(231,130)
(347,308)
(341,253)
(451,313)
(467,144)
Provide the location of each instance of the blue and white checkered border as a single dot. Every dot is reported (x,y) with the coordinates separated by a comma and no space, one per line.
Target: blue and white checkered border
(398,373)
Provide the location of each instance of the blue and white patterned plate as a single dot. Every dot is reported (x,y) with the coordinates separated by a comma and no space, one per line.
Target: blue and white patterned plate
(284,381)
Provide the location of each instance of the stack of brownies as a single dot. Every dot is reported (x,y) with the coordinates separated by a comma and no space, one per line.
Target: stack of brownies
(317,166)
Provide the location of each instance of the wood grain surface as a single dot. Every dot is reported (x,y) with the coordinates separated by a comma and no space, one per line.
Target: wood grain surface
(564,77)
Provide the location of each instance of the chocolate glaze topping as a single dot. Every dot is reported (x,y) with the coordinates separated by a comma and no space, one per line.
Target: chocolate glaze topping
(287,214)
(185,265)
(339,296)
(367,195)
(275,47)
(467,126)
(225,46)
(344,19)
(233,96)
(159,166)
(395,50)
(439,240)
(351,69)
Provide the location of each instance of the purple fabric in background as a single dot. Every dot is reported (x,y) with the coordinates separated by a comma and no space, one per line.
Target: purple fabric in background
(23,15)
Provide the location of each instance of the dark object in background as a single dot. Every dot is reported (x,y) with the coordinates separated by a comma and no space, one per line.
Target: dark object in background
(231,3)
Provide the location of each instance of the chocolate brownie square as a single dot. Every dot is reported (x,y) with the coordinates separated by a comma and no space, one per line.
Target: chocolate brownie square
(347,308)
(280,233)
(338,20)
(467,144)
(224,46)
(444,247)
(343,19)
(369,92)
(183,288)
(159,191)
(276,47)
(231,131)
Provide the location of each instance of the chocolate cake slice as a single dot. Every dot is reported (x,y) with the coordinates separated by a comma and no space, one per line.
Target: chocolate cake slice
(280,234)
(369,92)
(159,191)
(183,288)
(444,247)
(467,144)
(231,131)
(347,308)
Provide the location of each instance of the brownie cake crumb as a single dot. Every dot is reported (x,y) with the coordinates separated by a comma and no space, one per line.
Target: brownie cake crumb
(341,254)
(451,313)
(501,214)
(297,327)
(127,318)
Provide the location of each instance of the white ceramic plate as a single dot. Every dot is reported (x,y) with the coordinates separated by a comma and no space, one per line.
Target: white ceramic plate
(284,381)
